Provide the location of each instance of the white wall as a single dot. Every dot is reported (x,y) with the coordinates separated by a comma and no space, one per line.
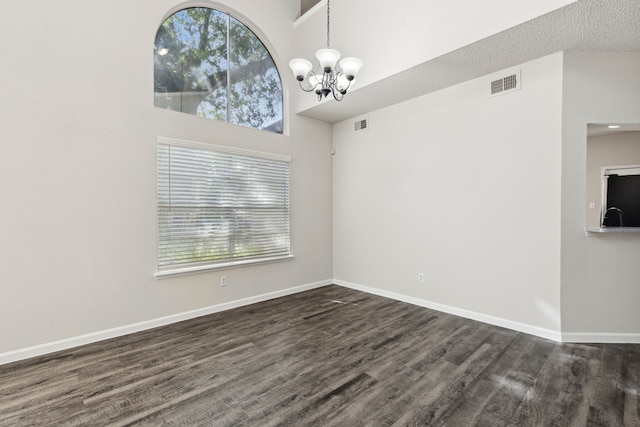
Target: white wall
(600,275)
(77,171)
(391,38)
(463,188)
(607,150)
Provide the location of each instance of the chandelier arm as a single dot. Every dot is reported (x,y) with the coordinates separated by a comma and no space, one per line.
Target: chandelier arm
(329,80)
(342,88)
(337,95)
(309,88)
(307,85)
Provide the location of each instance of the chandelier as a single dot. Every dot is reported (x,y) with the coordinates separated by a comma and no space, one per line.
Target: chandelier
(328,78)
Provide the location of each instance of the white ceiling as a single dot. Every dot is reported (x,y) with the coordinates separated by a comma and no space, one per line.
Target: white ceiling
(584,25)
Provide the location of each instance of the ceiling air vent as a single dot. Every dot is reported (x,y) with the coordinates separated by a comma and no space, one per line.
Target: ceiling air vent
(505,84)
(361,125)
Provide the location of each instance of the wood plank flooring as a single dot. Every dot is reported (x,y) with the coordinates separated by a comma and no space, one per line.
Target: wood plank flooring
(327,357)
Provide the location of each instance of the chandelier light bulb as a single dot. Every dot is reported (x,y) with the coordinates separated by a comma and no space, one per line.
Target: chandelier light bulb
(300,67)
(315,80)
(327,58)
(343,83)
(351,67)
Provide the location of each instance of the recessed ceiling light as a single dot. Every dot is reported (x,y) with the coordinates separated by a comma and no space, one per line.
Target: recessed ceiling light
(613,126)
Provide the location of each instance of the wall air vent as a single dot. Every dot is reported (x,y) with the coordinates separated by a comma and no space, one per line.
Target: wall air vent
(361,125)
(506,84)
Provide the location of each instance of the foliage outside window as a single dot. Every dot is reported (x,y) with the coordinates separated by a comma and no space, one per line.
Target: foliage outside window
(209,64)
(219,207)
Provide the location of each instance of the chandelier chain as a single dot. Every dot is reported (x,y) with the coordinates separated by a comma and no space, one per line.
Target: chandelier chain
(328,23)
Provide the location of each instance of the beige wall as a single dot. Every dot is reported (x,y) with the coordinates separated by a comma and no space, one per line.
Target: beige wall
(600,275)
(464,188)
(78,171)
(608,150)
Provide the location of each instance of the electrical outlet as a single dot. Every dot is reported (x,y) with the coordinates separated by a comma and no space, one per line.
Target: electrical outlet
(223,280)
(420,277)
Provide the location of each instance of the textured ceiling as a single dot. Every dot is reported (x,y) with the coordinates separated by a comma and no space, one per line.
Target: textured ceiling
(584,25)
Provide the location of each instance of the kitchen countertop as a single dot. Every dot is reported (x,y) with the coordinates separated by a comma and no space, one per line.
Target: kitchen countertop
(593,231)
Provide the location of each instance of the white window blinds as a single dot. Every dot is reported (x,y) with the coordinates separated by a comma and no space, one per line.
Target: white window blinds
(219,206)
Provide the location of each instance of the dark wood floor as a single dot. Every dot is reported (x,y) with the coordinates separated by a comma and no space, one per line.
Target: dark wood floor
(327,357)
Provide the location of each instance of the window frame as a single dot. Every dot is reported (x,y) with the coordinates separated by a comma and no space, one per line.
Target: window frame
(261,37)
(198,267)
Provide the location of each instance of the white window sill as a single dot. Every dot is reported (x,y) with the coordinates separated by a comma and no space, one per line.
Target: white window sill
(164,274)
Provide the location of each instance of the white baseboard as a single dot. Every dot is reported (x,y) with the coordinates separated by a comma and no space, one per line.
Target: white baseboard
(599,337)
(492,320)
(65,344)
(39,350)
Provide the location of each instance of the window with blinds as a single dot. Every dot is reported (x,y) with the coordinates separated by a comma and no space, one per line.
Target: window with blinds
(220,207)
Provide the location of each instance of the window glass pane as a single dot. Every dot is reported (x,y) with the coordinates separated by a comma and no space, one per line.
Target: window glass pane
(191,63)
(255,93)
(216,207)
(209,64)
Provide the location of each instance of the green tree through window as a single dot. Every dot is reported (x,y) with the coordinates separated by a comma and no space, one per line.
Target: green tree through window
(209,64)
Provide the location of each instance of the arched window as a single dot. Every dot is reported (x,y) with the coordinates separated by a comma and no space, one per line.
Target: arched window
(209,64)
